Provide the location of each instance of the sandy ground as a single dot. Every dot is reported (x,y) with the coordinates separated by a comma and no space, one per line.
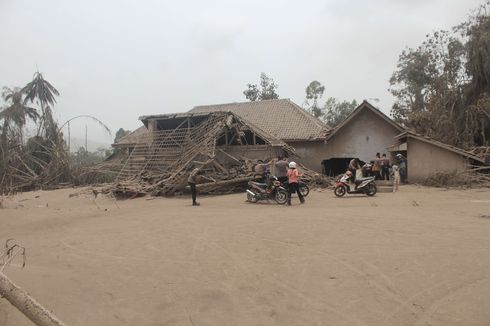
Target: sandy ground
(417,257)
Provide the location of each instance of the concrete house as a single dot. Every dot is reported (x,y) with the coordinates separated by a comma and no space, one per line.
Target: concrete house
(426,156)
(365,132)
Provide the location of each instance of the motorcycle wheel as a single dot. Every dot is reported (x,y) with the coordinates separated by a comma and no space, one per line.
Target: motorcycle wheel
(371,190)
(304,190)
(251,198)
(281,197)
(339,191)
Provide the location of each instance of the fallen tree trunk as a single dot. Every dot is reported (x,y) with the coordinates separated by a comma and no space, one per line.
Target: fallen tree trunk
(26,304)
(223,183)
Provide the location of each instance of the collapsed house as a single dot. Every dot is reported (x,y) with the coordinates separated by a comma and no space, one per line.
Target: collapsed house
(223,144)
(286,121)
(230,138)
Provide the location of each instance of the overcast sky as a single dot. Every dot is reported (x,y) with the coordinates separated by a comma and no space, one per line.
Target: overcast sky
(118,60)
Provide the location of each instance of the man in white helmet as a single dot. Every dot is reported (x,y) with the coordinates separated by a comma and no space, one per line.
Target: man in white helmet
(293,175)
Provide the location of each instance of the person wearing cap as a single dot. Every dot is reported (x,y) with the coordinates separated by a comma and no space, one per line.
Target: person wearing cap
(293,175)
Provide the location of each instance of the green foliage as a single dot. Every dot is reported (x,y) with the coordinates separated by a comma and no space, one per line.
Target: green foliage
(14,117)
(267,90)
(442,87)
(121,133)
(336,111)
(40,91)
(314,91)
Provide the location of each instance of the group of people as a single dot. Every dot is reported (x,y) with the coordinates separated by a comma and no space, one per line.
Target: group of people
(380,168)
(288,174)
(285,171)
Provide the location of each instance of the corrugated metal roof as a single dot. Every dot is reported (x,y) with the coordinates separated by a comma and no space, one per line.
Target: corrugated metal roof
(282,118)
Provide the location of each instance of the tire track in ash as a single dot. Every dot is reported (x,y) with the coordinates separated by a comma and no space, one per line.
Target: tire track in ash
(290,289)
(452,292)
(390,292)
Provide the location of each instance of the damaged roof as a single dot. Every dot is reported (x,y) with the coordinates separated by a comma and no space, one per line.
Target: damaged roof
(281,118)
(140,134)
(132,138)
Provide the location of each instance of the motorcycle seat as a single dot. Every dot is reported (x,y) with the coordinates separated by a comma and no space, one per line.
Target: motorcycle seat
(360,180)
(260,184)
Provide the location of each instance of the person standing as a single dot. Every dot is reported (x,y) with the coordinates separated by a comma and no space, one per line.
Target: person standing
(377,166)
(195,177)
(293,175)
(385,168)
(396,177)
(402,163)
(282,169)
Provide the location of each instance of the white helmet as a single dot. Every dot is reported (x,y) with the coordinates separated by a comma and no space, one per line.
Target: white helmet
(292,165)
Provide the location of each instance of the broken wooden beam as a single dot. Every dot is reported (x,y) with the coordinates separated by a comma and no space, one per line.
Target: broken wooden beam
(26,304)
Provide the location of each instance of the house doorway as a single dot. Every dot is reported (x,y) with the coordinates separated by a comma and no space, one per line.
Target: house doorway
(335,166)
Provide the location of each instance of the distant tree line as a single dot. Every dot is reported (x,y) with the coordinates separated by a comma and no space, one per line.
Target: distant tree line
(332,112)
(442,87)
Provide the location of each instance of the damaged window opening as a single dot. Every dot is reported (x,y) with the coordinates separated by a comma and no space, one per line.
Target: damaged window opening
(243,137)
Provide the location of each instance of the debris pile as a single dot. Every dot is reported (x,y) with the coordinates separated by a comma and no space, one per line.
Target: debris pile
(223,145)
(483,152)
(231,178)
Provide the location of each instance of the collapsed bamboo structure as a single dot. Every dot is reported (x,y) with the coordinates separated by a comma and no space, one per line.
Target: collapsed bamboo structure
(224,145)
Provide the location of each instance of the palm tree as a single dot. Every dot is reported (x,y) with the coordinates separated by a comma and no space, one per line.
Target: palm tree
(16,113)
(41,91)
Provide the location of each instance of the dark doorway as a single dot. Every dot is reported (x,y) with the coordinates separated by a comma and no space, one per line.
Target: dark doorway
(337,165)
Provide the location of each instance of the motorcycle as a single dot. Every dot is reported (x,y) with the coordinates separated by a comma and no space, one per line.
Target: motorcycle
(361,186)
(265,191)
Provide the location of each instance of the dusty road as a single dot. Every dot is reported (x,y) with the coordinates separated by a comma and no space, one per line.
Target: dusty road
(419,257)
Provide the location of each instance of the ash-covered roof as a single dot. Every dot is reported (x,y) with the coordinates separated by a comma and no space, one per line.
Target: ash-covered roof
(365,105)
(457,150)
(132,138)
(281,118)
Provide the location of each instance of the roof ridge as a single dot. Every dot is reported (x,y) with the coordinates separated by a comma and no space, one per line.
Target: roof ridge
(245,102)
(309,116)
(365,104)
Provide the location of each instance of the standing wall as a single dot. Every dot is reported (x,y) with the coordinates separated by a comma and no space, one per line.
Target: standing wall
(424,159)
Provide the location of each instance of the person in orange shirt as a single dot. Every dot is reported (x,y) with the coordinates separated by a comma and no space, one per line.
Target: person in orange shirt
(293,175)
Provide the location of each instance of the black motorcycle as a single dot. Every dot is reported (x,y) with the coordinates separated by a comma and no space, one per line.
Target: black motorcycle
(303,188)
(266,191)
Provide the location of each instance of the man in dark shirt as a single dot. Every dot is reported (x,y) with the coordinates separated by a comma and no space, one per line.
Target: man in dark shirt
(385,167)
(282,169)
(195,177)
